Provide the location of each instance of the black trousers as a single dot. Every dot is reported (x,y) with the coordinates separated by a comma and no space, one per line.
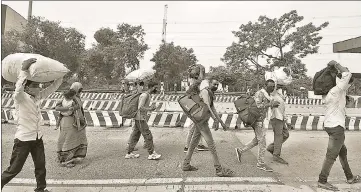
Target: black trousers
(19,155)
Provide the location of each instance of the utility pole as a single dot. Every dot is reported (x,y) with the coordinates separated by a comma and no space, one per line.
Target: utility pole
(30,9)
(164,33)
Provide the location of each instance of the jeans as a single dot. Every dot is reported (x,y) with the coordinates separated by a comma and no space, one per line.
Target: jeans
(260,140)
(281,134)
(141,128)
(19,155)
(202,130)
(336,148)
(190,135)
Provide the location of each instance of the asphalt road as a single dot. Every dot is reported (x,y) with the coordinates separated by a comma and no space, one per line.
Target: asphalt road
(304,151)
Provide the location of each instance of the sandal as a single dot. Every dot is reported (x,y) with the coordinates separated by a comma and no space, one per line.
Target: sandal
(67,165)
(224,172)
(356,179)
(189,168)
(327,186)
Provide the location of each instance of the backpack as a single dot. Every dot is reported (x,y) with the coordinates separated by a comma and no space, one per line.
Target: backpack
(324,81)
(128,105)
(194,107)
(247,109)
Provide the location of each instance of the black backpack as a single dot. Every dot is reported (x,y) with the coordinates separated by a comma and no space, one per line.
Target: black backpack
(324,80)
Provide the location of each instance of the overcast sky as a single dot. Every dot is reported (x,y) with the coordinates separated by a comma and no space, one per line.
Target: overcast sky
(205,26)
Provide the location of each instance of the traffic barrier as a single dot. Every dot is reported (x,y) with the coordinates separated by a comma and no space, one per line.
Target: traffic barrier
(179,119)
(173,98)
(97,105)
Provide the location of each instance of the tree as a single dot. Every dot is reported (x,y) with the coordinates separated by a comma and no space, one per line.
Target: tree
(295,87)
(115,51)
(172,62)
(10,44)
(49,39)
(279,34)
(223,75)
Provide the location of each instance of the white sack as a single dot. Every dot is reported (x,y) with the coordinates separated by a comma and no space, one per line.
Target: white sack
(279,76)
(44,70)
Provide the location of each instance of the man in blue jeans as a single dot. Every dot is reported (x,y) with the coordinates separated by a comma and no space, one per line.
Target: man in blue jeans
(335,127)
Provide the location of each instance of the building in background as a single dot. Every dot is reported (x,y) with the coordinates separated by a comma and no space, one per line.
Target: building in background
(348,46)
(11,20)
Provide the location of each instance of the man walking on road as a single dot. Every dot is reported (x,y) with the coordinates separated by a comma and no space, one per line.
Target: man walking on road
(280,131)
(141,126)
(202,129)
(334,125)
(263,102)
(28,136)
(195,80)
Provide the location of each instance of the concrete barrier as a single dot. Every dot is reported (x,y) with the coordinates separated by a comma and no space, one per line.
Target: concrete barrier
(179,119)
(172,98)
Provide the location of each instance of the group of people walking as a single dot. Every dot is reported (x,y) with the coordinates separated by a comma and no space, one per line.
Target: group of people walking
(72,140)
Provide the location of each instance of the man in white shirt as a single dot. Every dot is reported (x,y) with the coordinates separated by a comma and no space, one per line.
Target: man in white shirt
(28,136)
(277,120)
(334,125)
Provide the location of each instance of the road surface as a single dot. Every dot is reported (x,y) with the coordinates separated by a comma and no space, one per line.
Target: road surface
(105,168)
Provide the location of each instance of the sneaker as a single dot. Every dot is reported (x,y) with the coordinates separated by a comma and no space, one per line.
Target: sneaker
(132,155)
(279,159)
(264,167)
(202,148)
(154,156)
(185,149)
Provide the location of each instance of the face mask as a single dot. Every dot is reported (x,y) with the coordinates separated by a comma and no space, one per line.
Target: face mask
(214,89)
(154,91)
(270,89)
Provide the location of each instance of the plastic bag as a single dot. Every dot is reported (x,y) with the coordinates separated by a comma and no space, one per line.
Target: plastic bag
(44,70)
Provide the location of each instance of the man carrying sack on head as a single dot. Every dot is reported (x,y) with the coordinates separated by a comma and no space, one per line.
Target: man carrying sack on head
(28,136)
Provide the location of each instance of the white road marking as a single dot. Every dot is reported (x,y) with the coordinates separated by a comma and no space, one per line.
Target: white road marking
(149,181)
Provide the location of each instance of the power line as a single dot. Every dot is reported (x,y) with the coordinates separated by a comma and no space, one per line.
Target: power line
(208,22)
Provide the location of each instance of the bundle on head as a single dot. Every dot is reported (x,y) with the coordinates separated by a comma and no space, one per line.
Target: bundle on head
(194,71)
